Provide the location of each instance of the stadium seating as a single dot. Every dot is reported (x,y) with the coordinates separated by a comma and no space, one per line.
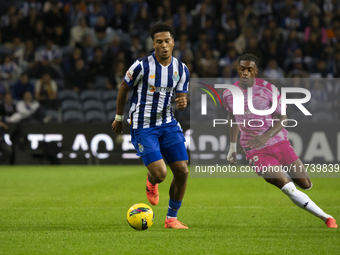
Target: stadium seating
(89,94)
(73,116)
(67,94)
(95,116)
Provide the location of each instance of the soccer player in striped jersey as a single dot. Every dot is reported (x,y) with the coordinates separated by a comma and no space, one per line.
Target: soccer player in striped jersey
(268,145)
(155,133)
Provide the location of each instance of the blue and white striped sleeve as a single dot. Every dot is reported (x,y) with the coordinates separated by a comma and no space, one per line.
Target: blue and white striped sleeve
(134,73)
(182,86)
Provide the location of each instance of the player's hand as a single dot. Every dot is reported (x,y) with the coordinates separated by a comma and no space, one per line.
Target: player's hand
(231,157)
(257,141)
(181,103)
(117,127)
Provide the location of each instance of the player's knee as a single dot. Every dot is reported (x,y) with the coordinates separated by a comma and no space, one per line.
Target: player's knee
(307,184)
(159,176)
(182,171)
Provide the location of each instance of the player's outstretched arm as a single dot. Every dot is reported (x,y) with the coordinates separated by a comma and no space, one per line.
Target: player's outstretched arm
(181,101)
(260,140)
(233,133)
(117,124)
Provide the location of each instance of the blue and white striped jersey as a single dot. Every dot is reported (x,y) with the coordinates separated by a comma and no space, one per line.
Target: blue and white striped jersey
(154,85)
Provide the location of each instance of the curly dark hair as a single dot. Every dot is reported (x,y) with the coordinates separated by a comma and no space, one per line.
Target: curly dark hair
(249,57)
(162,27)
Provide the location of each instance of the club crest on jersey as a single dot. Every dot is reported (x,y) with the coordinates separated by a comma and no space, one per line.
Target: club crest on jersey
(129,74)
(140,147)
(175,77)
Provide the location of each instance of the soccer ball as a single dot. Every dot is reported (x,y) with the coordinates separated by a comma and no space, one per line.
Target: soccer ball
(140,216)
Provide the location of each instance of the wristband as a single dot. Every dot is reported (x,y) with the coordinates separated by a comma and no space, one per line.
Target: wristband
(233,146)
(119,118)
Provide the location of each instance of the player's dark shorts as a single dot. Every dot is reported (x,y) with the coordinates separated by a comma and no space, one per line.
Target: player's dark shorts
(167,140)
(281,153)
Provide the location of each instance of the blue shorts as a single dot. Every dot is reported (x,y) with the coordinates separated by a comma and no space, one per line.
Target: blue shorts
(151,143)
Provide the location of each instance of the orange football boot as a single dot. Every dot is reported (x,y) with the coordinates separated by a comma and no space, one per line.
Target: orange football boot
(152,192)
(331,223)
(174,223)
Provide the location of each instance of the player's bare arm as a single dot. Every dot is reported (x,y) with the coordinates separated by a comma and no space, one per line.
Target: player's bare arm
(181,101)
(260,140)
(233,133)
(117,124)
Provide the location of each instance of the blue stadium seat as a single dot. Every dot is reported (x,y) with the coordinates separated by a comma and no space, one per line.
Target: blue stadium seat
(95,116)
(60,83)
(111,116)
(73,116)
(110,95)
(111,105)
(67,94)
(70,105)
(90,94)
(93,105)
(100,82)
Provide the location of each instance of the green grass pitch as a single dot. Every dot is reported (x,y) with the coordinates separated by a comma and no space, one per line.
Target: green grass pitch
(82,210)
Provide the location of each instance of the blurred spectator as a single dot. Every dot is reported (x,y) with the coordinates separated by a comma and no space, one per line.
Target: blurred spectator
(313,48)
(227,60)
(70,62)
(95,10)
(252,48)
(38,35)
(46,91)
(113,49)
(99,66)
(135,47)
(320,70)
(272,70)
(54,16)
(59,36)
(116,77)
(316,28)
(21,86)
(293,43)
(80,78)
(79,32)
(27,109)
(120,21)
(76,10)
(3,90)
(241,41)
(88,49)
(25,56)
(5,149)
(7,108)
(11,11)
(335,65)
(102,33)
(9,70)
(49,59)
(136,5)
(31,19)
(12,31)
(142,23)
(30,5)
(199,21)
(292,21)
(208,66)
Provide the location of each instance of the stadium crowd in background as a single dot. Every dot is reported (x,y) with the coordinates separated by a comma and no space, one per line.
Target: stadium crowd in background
(89,44)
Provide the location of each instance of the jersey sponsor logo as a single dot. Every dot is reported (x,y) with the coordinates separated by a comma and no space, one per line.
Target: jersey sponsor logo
(175,77)
(140,147)
(152,76)
(129,74)
(152,88)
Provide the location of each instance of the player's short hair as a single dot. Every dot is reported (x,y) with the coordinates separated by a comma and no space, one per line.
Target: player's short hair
(162,27)
(249,57)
